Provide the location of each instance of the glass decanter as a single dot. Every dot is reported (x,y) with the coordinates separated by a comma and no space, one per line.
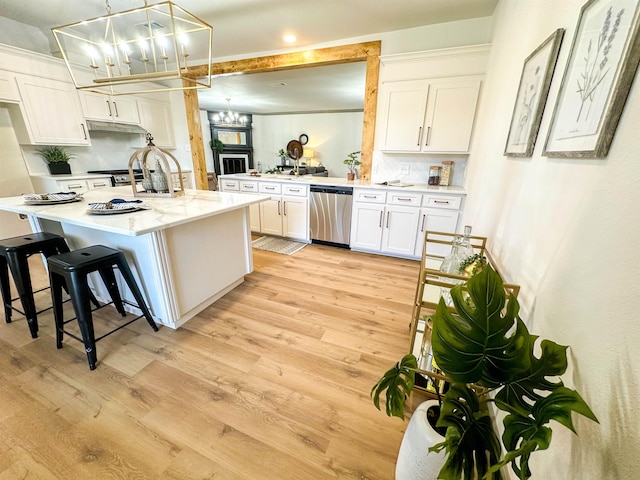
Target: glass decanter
(465,249)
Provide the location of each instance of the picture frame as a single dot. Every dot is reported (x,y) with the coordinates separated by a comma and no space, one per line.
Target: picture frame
(602,64)
(531,98)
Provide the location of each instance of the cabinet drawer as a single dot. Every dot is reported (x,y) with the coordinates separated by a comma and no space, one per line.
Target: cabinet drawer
(442,201)
(249,187)
(78,186)
(99,183)
(230,185)
(272,188)
(295,190)
(404,198)
(369,196)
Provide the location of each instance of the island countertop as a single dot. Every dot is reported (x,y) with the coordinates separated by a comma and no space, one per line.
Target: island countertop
(162,213)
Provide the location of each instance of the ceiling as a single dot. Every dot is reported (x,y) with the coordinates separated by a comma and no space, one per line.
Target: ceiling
(242,27)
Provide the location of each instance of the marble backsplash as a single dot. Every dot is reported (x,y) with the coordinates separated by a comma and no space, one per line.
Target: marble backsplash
(414,168)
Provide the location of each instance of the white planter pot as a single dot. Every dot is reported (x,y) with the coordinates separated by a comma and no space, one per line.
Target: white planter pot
(415,462)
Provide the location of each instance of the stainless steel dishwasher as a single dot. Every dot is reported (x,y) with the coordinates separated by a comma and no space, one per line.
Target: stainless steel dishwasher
(330,215)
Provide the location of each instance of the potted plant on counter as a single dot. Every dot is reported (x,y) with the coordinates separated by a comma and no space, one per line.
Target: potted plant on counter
(487,353)
(352,162)
(57,159)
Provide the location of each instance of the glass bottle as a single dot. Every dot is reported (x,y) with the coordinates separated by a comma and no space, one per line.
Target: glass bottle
(466,250)
(451,263)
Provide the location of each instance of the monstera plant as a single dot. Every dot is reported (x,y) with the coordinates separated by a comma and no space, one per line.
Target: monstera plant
(487,352)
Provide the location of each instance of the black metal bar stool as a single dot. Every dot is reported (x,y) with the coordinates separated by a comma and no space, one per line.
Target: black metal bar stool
(14,256)
(74,268)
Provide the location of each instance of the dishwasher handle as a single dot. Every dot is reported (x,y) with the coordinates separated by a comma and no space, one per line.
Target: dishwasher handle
(332,189)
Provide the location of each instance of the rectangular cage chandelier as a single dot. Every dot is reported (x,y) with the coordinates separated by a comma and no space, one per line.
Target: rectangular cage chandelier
(131,51)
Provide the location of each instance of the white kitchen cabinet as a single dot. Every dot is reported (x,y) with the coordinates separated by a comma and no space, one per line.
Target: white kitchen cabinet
(435,220)
(53,113)
(156,118)
(384,228)
(287,212)
(109,109)
(8,87)
(428,116)
(254,210)
(67,183)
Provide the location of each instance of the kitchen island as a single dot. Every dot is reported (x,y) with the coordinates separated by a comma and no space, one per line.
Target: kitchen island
(185,252)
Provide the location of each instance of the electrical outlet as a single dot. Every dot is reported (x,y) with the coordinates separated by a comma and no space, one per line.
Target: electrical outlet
(405,169)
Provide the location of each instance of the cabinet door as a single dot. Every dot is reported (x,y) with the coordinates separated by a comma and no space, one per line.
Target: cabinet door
(271,216)
(366,226)
(435,220)
(125,110)
(53,112)
(403,109)
(96,106)
(400,228)
(451,110)
(8,87)
(254,217)
(155,118)
(295,217)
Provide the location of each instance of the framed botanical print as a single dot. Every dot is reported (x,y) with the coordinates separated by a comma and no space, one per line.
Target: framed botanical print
(532,96)
(602,64)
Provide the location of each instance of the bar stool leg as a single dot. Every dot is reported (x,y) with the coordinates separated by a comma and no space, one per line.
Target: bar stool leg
(19,265)
(80,300)
(109,279)
(5,286)
(57,283)
(137,294)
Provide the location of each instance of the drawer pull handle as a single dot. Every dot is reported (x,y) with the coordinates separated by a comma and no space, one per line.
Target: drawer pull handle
(424,217)
(370,196)
(284,208)
(388,214)
(99,184)
(380,223)
(269,188)
(278,207)
(294,189)
(446,202)
(404,199)
(74,186)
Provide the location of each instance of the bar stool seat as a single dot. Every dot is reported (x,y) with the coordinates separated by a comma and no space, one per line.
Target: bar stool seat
(14,255)
(74,268)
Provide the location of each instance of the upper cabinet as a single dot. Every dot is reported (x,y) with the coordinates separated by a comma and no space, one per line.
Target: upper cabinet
(156,118)
(430,116)
(119,109)
(52,111)
(8,87)
(427,100)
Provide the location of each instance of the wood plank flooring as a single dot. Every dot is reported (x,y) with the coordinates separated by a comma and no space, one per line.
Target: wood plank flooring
(271,382)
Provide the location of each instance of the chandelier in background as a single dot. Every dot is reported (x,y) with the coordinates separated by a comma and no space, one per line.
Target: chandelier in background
(117,52)
(229,118)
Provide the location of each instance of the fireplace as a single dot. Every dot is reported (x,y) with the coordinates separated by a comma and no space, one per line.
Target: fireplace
(233,163)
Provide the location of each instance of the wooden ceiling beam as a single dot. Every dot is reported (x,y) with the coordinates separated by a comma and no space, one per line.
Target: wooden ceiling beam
(358,52)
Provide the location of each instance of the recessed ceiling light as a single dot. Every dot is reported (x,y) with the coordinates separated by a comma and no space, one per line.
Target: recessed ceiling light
(289,38)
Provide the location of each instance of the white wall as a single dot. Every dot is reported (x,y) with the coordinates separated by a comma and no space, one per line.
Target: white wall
(23,36)
(14,179)
(331,135)
(567,231)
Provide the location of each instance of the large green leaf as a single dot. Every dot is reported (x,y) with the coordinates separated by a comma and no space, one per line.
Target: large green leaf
(472,345)
(398,383)
(471,442)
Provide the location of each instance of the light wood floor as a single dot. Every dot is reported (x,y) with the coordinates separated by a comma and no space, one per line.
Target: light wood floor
(272,382)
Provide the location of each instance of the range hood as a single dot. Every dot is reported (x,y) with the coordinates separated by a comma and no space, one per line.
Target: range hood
(96,126)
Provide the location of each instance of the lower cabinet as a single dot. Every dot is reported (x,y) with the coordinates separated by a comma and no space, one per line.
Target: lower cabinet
(45,183)
(385,228)
(285,214)
(393,222)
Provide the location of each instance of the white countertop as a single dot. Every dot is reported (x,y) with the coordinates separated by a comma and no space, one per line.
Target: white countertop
(164,212)
(339,181)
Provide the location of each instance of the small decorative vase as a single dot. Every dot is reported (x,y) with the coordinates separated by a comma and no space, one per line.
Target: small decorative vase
(159,179)
(351,176)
